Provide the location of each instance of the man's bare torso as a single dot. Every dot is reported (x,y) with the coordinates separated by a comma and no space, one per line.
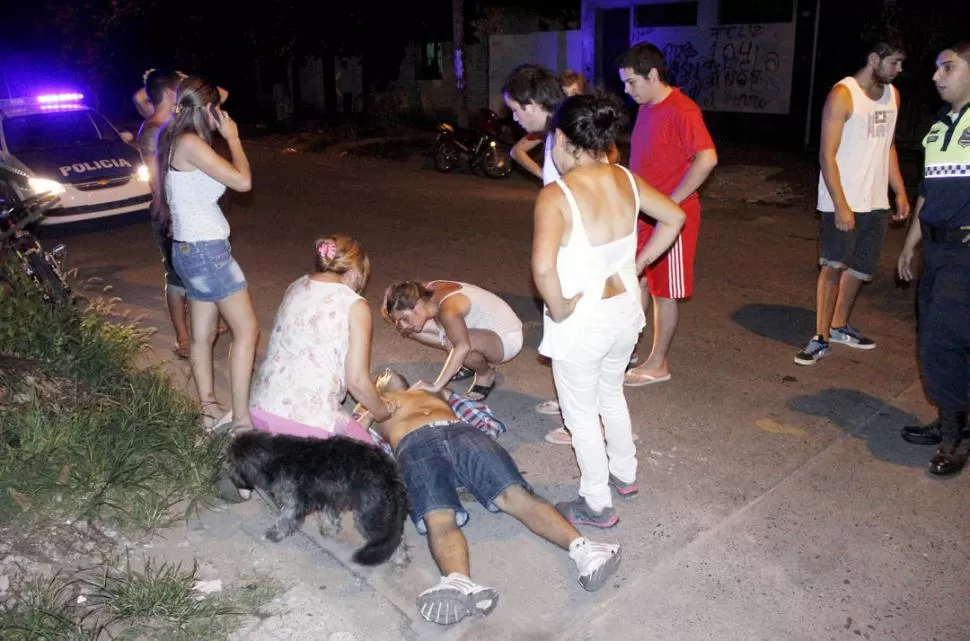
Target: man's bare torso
(415,410)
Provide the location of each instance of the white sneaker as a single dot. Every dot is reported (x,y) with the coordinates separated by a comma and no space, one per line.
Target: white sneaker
(550,407)
(596,562)
(454,598)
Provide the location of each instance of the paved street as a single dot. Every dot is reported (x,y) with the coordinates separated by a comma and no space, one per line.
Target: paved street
(777,502)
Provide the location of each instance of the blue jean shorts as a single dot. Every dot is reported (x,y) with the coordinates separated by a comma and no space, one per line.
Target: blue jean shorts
(437,459)
(207,270)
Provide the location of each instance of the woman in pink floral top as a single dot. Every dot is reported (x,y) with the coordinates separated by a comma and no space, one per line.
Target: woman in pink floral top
(319,350)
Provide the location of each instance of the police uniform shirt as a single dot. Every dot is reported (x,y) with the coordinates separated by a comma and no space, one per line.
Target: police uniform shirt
(946,171)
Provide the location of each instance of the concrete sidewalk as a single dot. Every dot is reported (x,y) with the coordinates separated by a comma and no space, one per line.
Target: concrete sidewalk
(777,502)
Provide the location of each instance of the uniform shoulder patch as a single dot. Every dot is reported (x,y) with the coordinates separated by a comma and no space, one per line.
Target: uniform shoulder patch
(964,140)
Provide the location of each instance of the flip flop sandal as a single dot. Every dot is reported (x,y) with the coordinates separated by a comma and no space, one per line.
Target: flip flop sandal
(462,374)
(481,390)
(210,417)
(639,379)
(559,436)
(182,350)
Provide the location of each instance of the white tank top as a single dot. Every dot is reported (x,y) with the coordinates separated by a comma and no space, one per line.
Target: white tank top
(193,200)
(303,376)
(581,267)
(863,154)
(487,311)
(550,173)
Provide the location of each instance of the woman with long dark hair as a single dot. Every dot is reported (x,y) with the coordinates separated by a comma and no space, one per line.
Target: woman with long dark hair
(192,177)
(585,266)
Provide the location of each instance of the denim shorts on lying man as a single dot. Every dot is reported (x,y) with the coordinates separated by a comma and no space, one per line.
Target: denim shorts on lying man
(207,270)
(437,459)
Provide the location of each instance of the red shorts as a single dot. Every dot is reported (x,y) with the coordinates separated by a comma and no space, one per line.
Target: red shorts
(672,276)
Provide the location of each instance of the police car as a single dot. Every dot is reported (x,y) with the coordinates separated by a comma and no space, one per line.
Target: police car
(64,147)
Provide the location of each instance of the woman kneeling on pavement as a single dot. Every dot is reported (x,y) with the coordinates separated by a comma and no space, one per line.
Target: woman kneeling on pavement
(320,348)
(477,329)
(584,264)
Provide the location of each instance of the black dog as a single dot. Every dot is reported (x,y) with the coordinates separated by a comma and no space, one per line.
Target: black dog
(329,476)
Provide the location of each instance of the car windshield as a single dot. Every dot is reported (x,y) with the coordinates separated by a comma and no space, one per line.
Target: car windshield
(56,129)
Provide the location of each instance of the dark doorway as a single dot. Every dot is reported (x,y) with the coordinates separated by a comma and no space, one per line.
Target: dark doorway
(612,39)
(839,41)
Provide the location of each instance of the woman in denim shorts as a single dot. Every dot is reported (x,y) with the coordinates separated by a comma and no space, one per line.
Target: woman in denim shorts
(195,177)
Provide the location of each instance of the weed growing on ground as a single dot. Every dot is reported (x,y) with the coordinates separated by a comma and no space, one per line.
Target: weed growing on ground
(159,601)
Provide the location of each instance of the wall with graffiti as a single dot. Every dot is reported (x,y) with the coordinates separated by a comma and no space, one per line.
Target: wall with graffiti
(745,68)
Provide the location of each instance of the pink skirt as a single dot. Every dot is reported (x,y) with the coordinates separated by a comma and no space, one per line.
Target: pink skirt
(267,422)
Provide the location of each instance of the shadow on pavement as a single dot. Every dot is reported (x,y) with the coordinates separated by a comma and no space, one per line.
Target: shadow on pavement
(869,418)
(783,323)
(527,308)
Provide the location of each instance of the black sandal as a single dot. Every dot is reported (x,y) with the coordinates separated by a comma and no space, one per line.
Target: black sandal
(462,374)
(483,390)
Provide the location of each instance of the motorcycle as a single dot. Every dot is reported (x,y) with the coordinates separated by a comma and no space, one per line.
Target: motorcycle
(44,267)
(480,147)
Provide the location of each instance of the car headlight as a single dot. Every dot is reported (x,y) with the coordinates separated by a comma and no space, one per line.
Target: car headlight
(142,174)
(44,185)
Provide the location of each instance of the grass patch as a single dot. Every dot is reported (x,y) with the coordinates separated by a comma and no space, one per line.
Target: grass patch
(84,432)
(158,601)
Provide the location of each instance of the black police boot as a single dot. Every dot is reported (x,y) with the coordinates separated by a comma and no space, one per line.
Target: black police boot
(955,447)
(923,434)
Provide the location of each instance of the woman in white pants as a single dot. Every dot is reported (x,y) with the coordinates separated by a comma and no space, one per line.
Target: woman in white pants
(584,264)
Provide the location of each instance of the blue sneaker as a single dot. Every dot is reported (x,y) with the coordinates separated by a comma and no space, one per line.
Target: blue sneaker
(850,337)
(817,349)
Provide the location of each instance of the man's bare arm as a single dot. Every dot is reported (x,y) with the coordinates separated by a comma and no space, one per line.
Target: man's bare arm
(838,108)
(701,167)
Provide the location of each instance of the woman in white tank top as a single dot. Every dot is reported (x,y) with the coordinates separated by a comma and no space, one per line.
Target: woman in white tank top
(585,266)
(193,177)
(477,329)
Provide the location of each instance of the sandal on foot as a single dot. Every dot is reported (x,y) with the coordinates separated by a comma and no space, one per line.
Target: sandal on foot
(462,374)
(224,425)
(635,378)
(454,598)
(481,390)
(211,416)
(550,407)
(559,436)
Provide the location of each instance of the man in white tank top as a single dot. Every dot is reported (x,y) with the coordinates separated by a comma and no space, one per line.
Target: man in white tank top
(859,163)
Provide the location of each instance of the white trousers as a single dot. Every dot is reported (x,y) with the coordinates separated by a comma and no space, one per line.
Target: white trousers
(589,384)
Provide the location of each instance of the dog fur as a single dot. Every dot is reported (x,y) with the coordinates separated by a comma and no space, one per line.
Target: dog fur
(328,476)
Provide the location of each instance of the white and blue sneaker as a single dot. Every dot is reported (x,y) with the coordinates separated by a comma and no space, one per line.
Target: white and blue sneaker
(817,349)
(850,337)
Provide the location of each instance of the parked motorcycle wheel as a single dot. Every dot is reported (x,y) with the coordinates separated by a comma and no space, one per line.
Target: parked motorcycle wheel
(497,163)
(445,157)
(49,277)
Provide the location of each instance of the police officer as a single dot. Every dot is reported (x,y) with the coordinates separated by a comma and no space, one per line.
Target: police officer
(942,223)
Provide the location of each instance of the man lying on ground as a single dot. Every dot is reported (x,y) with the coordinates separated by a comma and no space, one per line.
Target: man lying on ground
(436,451)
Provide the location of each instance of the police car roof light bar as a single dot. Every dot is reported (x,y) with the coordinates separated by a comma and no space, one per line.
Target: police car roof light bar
(59,98)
